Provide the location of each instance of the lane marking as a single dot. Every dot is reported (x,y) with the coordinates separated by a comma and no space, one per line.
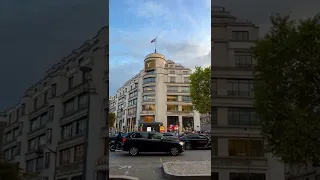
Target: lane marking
(161,160)
(127,171)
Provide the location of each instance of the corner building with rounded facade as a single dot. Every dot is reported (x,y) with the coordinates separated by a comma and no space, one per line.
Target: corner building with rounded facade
(159,96)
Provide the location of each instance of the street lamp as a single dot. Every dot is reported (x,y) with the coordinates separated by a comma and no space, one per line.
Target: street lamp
(86,70)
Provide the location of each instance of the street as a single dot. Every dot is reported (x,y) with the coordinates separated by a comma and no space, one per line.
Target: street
(148,166)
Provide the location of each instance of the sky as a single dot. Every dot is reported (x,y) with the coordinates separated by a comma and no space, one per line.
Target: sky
(182,28)
(36,34)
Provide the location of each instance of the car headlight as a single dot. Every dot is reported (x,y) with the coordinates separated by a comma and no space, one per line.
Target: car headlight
(181,143)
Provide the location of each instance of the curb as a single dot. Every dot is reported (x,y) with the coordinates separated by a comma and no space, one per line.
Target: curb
(172,176)
(116,177)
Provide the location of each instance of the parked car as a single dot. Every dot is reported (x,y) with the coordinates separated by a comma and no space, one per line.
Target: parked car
(143,141)
(196,141)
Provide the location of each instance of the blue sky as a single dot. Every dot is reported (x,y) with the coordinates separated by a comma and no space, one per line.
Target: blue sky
(182,28)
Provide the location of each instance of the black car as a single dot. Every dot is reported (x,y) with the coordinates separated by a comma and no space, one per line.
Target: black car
(138,142)
(195,141)
(169,135)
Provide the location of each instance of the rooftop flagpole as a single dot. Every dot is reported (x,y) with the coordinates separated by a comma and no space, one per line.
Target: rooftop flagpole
(155,44)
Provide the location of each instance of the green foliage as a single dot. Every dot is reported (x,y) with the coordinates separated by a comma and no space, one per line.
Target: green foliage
(287,91)
(112,119)
(200,89)
(10,171)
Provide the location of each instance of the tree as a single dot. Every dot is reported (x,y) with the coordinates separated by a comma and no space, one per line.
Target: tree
(200,89)
(10,171)
(287,89)
(112,119)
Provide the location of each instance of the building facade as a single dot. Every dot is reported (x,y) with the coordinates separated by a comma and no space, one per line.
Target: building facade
(237,146)
(3,124)
(159,96)
(52,132)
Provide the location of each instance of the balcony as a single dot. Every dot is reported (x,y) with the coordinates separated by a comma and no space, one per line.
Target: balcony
(67,168)
(76,90)
(36,132)
(147,112)
(71,140)
(77,114)
(228,162)
(38,111)
(180,112)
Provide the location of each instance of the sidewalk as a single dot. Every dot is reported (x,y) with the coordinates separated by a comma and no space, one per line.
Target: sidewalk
(188,170)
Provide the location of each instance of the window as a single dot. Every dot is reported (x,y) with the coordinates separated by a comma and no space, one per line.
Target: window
(32,144)
(185,89)
(23,109)
(186,79)
(43,119)
(172,98)
(47,160)
(187,108)
(65,156)
(45,97)
(40,161)
(10,118)
(186,98)
(172,89)
(17,114)
(67,131)
(45,178)
(20,127)
(214,115)
(149,80)
(70,82)
(77,177)
(31,165)
(42,140)
(81,126)
(51,113)
(243,60)
(16,133)
(18,148)
(172,79)
(151,72)
(83,100)
(242,116)
(185,72)
(148,98)
(35,103)
(34,124)
(172,72)
(214,87)
(240,35)
(49,136)
(172,108)
(79,153)
(247,176)
(240,88)
(140,135)
(69,106)
(246,147)
(148,107)
(53,90)
(9,136)
(85,76)
(148,119)
(6,154)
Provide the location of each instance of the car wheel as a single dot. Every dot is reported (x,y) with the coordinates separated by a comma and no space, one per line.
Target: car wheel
(187,146)
(133,151)
(112,148)
(174,151)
